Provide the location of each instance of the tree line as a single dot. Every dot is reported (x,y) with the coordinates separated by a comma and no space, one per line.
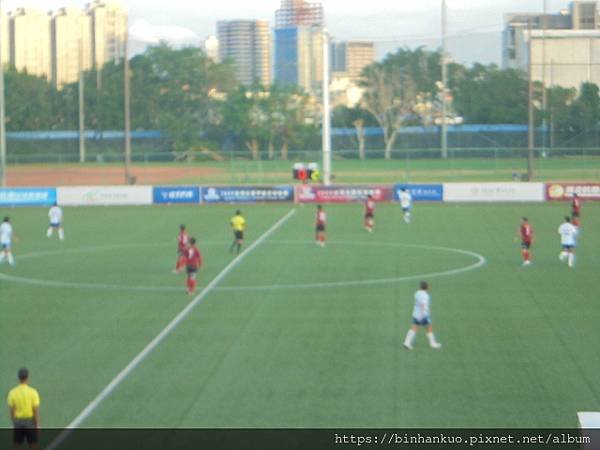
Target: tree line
(199,105)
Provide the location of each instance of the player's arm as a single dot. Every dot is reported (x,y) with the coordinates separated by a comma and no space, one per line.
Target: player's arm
(36,416)
(11,407)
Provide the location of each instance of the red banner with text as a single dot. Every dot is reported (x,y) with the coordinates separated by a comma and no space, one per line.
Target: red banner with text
(565,191)
(342,194)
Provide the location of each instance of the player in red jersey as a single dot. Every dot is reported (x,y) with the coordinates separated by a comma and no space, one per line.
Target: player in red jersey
(576,205)
(370,214)
(575,219)
(320,228)
(526,234)
(182,245)
(193,260)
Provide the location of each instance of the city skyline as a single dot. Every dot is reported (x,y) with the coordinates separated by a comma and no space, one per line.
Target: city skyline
(474,30)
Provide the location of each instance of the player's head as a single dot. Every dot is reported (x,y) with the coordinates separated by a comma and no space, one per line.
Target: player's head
(23,374)
(424,285)
(54,204)
(193,241)
(319,207)
(6,219)
(525,219)
(403,189)
(575,195)
(370,197)
(182,227)
(238,213)
(567,219)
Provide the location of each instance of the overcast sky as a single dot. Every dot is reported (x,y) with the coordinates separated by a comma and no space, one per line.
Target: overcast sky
(474,26)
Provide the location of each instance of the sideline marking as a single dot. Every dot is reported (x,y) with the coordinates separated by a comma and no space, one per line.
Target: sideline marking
(164,333)
(481,261)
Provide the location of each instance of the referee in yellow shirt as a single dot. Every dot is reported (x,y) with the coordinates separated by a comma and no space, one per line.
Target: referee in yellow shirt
(24,405)
(238,224)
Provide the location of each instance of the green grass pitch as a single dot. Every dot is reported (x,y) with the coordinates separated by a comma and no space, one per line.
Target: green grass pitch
(520,345)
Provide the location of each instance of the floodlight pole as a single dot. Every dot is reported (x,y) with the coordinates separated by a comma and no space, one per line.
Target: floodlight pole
(531,126)
(81,105)
(326,113)
(126,81)
(444,82)
(2,114)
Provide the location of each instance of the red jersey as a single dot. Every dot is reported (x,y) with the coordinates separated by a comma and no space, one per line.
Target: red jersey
(576,205)
(321,218)
(193,257)
(370,207)
(182,241)
(526,232)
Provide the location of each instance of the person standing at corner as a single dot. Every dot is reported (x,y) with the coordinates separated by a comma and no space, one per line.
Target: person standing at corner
(24,406)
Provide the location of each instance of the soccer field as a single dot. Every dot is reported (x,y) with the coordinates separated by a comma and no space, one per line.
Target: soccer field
(294,335)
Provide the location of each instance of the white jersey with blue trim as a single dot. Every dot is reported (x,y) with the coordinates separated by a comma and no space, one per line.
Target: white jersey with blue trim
(405,199)
(421,309)
(55,215)
(6,233)
(568,233)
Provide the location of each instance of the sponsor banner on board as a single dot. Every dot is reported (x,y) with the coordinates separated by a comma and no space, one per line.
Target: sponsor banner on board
(494,192)
(104,195)
(176,195)
(421,192)
(247,194)
(27,196)
(565,191)
(342,194)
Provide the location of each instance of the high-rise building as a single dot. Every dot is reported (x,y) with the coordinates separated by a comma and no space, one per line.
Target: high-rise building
(580,15)
(71,45)
(299,38)
(29,40)
(247,43)
(562,48)
(299,57)
(211,48)
(109,27)
(5,49)
(351,57)
(299,13)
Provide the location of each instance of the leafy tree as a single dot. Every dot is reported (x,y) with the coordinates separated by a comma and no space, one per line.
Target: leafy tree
(486,94)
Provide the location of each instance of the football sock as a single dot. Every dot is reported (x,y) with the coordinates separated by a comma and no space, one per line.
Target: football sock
(431,338)
(61,234)
(571,259)
(562,256)
(410,336)
(526,255)
(49,232)
(2,256)
(232,247)
(239,248)
(11,260)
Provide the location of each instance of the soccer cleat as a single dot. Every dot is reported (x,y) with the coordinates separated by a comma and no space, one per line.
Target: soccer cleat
(436,345)
(408,346)
(526,263)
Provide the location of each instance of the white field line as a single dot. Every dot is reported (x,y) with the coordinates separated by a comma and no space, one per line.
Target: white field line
(163,334)
(481,261)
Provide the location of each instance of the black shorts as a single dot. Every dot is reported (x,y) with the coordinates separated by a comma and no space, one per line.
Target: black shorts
(239,235)
(25,430)
(320,228)
(191,270)
(525,245)
(369,215)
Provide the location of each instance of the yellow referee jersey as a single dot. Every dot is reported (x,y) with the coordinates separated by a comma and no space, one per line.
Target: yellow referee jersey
(23,400)
(238,223)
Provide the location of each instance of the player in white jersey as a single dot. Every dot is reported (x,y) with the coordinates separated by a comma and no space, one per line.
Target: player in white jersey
(405,204)
(56,219)
(6,237)
(568,239)
(421,318)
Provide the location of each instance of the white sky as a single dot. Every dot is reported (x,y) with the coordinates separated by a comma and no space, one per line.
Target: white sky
(474,25)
